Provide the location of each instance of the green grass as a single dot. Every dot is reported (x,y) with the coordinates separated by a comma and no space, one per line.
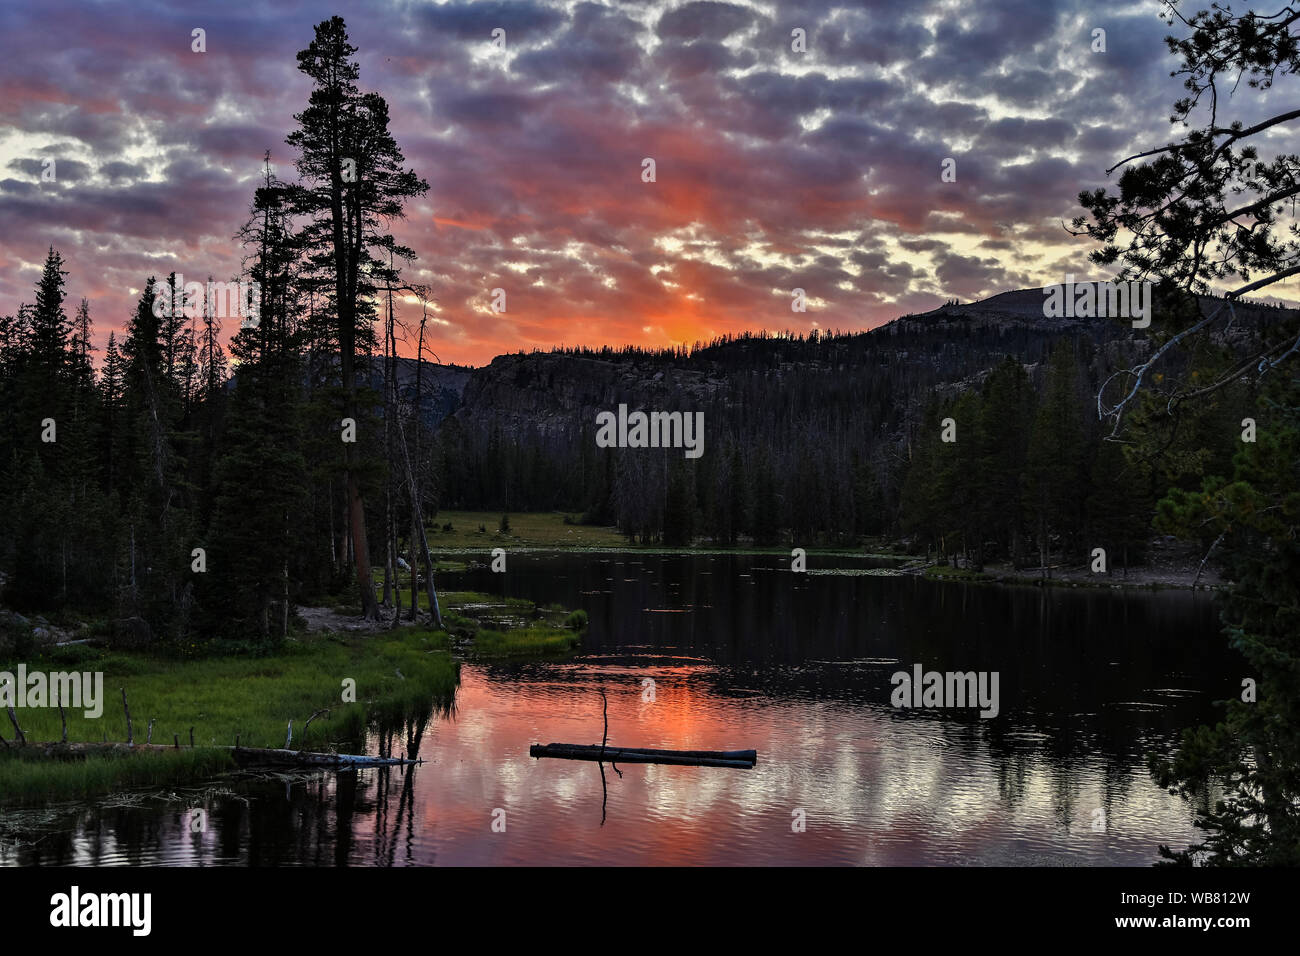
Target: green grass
(460,599)
(454,601)
(527,529)
(252,697)
(546,531)
(550,630)
(24,780)
(525,641)
(255,697)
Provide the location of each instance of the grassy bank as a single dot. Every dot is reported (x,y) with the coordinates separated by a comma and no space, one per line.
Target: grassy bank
(544,529)
(396,672)
(548,531)
(492,626)
(253,698)
(481,625)
(525,642)
(1079,577)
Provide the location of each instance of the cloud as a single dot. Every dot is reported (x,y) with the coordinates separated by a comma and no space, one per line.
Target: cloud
(707,20)
(775,169)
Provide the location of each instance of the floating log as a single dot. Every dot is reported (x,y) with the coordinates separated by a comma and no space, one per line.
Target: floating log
(741,759)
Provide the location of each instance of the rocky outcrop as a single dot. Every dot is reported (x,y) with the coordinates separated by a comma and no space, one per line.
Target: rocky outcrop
(551,395)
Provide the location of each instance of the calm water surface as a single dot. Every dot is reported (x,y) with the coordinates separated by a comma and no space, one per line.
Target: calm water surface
(743,654)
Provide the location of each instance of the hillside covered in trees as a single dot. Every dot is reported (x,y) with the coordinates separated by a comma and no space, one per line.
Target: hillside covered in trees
(827,439)
(171,445)
(178,489)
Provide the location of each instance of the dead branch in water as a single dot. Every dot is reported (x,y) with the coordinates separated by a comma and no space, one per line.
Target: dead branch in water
(310,719)
(22,738)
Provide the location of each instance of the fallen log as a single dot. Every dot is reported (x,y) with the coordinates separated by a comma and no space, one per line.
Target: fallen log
(303,758)
(244,756)
(740,759)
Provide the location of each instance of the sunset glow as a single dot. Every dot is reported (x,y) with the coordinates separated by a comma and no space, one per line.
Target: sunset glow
(776,171)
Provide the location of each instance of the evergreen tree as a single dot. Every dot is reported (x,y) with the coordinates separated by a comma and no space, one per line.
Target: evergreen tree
(1253,754)
(259,491)
(1001,436)
(679,506)
(1118,510)
(767,511)
(253,540)
(1054,465)
(49,328)
(352,184)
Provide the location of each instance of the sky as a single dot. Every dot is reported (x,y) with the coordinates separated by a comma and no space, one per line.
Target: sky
(775,169)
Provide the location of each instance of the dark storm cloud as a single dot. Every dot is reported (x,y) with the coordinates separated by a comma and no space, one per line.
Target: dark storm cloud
(1029,88)
(598,46)
(706,20)
(67,170)
(967,276)
(18,187)
(117,171)
(692,59)
(872,37)
(476,21)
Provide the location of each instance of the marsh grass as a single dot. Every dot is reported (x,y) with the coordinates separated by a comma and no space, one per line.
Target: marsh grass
(474,534)
(525,641)
(400,674)
(551,630)
(544,529)
(26,780)
(250,697)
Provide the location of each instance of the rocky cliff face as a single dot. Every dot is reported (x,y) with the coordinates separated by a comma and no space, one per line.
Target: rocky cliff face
(551,395)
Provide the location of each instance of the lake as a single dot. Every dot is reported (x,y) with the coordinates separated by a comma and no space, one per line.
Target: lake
(728,652)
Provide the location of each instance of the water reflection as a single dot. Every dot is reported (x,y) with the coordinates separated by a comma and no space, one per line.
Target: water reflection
(796,667)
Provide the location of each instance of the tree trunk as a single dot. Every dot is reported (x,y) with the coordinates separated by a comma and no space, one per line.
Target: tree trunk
(284,613)
(345,275)
(334,552)
(387,599)
(1042,545)
(415,562)
(434,609)
(361,548)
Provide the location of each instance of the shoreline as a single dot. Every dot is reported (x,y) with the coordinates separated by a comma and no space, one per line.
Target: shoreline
(1144,579)
(393,672)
